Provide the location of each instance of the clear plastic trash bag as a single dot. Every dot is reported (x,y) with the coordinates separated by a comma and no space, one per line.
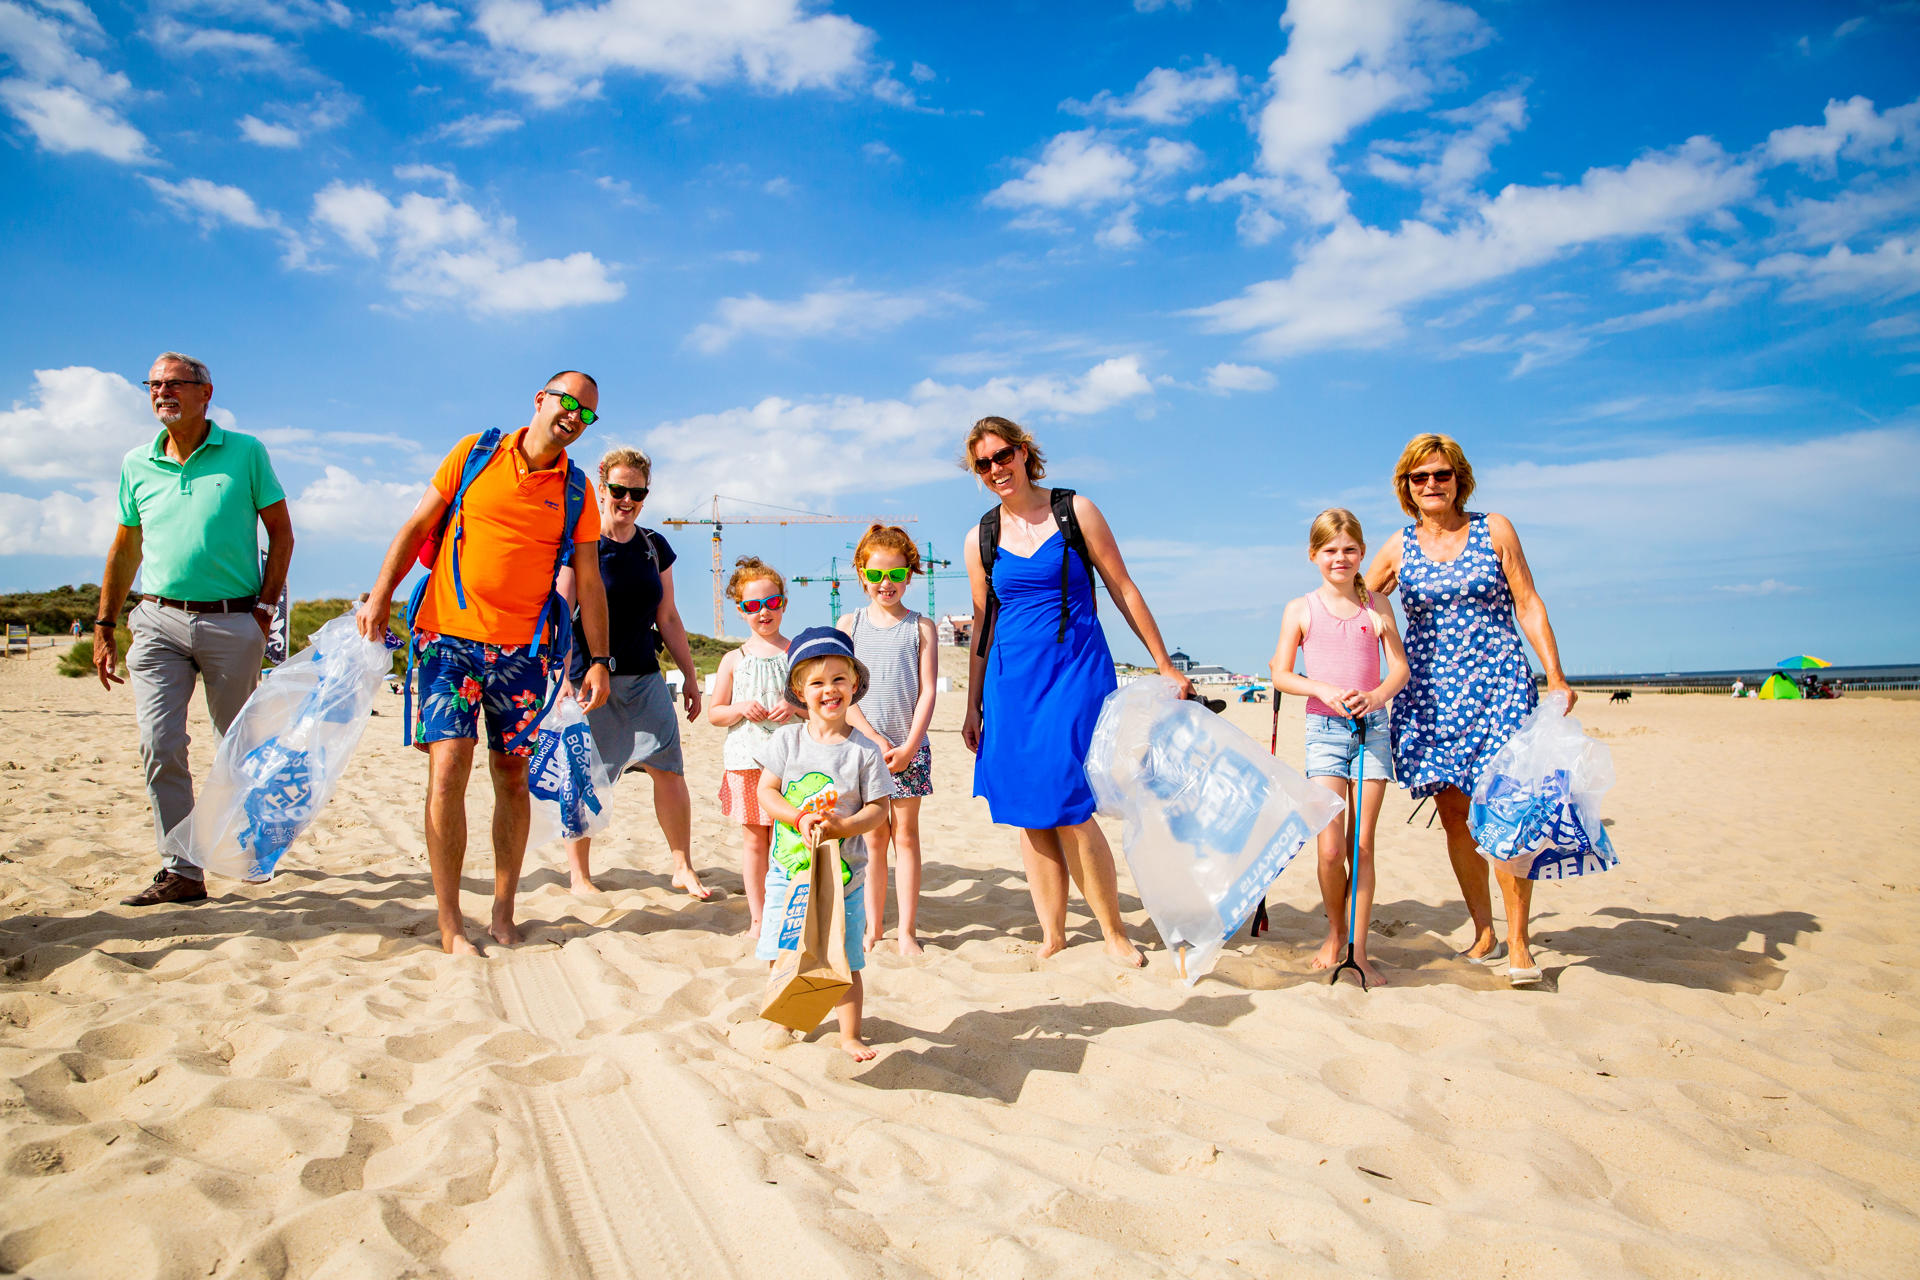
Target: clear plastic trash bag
(1536,807)
(1211,818)
(284,754)
(567,784)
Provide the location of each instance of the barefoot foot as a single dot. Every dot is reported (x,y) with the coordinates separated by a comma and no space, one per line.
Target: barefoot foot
(1374,977)
(686,878)
(1329,953)
(909,945)
(1125,954)
(582,885)
(505,932)
(856,1048)
(1052,947)
(456,943)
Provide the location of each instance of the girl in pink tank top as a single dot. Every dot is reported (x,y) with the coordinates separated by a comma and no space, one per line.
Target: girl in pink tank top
(1342,629)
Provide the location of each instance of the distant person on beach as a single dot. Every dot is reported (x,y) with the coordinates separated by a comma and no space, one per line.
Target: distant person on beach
(900,649)
(1343,630)
(635,728)
(1040,670)
(76,630)
(191,506)
(476,632)
(750,702)
(1465,582)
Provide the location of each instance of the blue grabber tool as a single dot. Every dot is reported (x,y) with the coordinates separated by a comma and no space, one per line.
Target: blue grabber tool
(1359,727)
(1259,924)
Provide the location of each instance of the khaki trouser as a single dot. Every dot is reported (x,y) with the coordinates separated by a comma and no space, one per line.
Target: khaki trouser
(171,646)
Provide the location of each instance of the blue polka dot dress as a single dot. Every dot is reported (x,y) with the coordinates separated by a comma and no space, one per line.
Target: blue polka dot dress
(1471,684)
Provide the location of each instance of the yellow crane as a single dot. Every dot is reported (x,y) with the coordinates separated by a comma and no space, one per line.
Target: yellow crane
(786,516)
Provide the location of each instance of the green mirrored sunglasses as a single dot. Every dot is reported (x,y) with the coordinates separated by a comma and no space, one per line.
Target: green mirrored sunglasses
(890,575)
(572,405)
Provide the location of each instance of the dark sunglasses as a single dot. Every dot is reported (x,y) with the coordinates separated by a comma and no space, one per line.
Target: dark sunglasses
(1440,475)
(772,604)
(1001,458)
(638,492)
(587,416)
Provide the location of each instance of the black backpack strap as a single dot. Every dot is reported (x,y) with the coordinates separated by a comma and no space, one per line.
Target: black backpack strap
(1063,515)
(989,551)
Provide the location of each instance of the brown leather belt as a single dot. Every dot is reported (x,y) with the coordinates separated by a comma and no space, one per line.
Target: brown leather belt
(239,604)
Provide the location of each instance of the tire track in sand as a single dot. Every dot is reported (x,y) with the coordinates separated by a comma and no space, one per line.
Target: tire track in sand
(642,1188)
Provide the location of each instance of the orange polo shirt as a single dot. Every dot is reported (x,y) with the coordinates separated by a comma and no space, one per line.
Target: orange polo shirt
(513,516)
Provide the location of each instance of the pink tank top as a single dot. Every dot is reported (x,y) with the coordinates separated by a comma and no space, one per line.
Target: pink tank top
(1343,652)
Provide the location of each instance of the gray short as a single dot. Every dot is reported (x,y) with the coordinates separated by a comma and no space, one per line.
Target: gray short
(637,725)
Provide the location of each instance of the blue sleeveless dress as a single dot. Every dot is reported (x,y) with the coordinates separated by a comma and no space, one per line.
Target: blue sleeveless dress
(1471,684)
(1042,696)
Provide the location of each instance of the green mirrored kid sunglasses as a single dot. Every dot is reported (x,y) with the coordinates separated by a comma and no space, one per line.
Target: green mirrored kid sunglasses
(900,574)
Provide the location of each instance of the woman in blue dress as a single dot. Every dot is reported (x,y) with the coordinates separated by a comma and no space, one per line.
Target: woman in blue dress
(1464,583)
(1033,698)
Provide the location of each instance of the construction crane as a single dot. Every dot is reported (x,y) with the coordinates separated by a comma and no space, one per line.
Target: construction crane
(832,578)
(788,516)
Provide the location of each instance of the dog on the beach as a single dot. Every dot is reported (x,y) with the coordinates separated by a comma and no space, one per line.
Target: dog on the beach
(1621,695)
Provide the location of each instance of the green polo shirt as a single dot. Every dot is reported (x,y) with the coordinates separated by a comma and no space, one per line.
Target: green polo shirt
(199,521)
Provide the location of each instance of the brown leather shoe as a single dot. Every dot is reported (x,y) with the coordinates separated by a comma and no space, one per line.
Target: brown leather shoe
(168,886)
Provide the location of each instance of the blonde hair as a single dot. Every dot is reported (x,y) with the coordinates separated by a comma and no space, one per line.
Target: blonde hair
(748,570)
(804,669)
(625,457)
(886,537)
(1419,447)
(1014,434)
(1338,522)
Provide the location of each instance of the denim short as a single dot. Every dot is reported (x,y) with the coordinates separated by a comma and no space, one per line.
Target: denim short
(780,888)
(1333,749)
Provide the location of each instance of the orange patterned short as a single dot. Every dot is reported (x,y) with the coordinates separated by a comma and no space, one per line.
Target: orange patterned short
(740,797)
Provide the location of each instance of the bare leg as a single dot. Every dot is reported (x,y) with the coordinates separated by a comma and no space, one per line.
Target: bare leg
(1046,870)
(1090,862)
(578,853)
(848,1013)
(756,845)
(674,809)
(1333,848)
(1469,868)
(1518,894)
(906,844)
(1373,793)
(877,842)
(510,817)
(448,764)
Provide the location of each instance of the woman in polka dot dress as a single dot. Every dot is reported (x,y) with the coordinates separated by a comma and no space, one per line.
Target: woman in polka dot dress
(1465,585)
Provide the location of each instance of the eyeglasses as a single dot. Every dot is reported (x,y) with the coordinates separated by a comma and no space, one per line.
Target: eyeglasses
(1421,479)
(1000,458)
(171,384)
(623,492)
(772,604)
(886,575)
(568,403)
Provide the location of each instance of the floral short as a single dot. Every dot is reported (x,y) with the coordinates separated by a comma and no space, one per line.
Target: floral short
(740,797)
(461,678)
(916,779)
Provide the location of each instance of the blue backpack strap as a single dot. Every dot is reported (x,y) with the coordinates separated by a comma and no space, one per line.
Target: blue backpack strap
(477,459)
(554,613)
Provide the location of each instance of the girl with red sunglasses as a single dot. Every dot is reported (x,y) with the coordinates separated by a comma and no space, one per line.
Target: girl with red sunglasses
(750,702)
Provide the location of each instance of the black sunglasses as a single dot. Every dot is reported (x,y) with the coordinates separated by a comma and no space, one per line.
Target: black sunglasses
(636,492)
(1000,458)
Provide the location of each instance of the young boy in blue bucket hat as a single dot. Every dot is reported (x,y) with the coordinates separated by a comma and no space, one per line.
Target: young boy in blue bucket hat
(820,780)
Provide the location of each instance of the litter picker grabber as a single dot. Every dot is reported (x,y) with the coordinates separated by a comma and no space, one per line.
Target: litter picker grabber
(1259,923)
(1359,727)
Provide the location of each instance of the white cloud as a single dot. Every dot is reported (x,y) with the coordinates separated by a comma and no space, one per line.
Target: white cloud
(815,451)
(1458,160)
(1163,156)
(1075,171)
(260,132)
(82,420)
(284,15)
(434,248)
(244,51)
(778,186)
(1655,407)
(922,73)
(1166,96)
(1353,286)
(881,152)
(555,54)
(834,312)
(1836,220)
(339,504)
(67,121)
(1890,271)
(1240,377)
(474,130)
(1765,587)
(1853,129)
(1120,232)
(212,202)
(1714,300)
(423,174)
(62,96)
(59,524)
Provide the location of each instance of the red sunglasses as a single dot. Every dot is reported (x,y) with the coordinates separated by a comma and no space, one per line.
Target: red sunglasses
(772,603)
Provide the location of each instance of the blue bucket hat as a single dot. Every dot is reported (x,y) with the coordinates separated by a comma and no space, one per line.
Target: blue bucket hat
(823,642)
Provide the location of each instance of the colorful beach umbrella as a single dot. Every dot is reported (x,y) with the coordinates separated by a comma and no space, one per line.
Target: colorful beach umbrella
(1801,661)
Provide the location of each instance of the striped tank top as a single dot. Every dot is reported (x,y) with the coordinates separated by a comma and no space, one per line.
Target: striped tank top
(891,656)
(1343,652)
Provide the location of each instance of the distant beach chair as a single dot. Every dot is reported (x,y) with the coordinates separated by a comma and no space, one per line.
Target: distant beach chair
(19,640)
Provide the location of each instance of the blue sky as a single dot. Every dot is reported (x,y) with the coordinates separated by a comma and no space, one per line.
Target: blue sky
(1656,266)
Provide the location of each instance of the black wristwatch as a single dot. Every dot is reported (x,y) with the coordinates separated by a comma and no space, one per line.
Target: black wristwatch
(602,662)
(102,622)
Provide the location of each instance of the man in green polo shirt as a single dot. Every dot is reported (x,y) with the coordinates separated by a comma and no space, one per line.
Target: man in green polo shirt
(191,504)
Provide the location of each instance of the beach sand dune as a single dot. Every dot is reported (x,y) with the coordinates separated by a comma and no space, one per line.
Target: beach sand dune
(1716,1077)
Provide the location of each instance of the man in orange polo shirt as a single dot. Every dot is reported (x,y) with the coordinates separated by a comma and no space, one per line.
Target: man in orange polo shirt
(477,658)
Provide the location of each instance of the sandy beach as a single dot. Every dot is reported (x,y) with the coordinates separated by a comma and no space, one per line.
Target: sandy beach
(1716,1078)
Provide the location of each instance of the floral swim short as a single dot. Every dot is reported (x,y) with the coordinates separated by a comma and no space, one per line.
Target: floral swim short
(461,678)
(917,778)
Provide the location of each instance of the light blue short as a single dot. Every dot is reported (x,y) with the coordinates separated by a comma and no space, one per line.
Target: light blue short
(1333,749)
(779,889)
